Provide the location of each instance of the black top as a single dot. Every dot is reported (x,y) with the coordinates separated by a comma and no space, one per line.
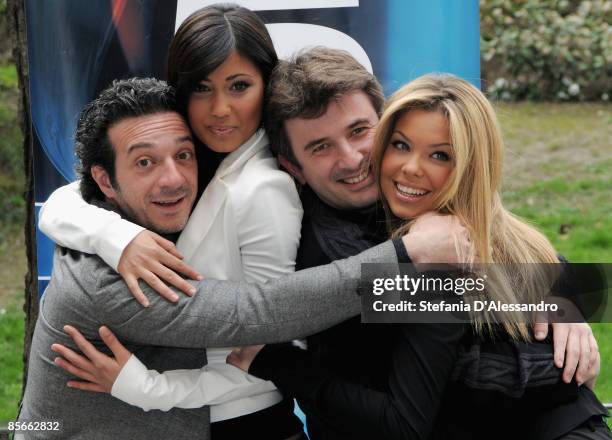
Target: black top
(330,234)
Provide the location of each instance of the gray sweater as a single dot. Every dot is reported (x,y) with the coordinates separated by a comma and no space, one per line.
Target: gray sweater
(86,293)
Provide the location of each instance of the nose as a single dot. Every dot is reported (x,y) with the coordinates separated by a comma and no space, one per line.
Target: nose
(412,166)
(220,106)
(170,176)
(351,157)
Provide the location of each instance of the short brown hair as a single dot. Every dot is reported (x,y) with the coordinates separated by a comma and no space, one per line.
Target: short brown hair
(304,86)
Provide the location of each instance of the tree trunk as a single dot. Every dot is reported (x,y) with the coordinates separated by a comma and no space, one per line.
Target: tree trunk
(17,23)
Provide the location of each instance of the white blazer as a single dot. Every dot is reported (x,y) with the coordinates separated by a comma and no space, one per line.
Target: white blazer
(246,226)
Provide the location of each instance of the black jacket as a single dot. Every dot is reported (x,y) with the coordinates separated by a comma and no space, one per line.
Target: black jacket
(364,381)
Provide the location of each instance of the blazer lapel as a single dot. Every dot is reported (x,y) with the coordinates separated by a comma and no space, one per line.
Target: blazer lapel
(202,218)
(214,196)
(236,159)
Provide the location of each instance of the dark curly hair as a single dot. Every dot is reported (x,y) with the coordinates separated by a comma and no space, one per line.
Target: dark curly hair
(122,99)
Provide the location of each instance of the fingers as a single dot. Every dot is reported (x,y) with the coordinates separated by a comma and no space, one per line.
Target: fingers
(73,362)
(86,386)
(159,286)
(72,369)
(560,334)
(167,245)
(540,327)
(132,283)
(181,267)
(593,372)
(121,353)
(572,356)
(594,349)
(96,357)
(172,278)
(585,357)
(152,258)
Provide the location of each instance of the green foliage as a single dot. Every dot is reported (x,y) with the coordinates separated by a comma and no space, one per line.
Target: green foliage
(547,49)
(11,352)
(603,386)
(12,205)
(8,77)
(11,161)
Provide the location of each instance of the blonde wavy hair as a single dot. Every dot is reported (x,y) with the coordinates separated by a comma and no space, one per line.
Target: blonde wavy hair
(472,191)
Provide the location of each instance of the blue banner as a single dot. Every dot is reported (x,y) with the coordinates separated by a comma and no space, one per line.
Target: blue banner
(77,48)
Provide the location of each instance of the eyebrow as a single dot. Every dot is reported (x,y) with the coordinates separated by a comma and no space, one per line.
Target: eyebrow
(314,143)
(148,145)
(186,138)
(353,124)
(359,122)
(231,77)
(139,146)
(441,144)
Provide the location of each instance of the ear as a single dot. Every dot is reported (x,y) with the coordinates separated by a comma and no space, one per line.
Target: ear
(102,178)
(292,169)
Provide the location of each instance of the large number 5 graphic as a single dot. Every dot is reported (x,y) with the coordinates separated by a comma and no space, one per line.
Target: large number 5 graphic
(289,38)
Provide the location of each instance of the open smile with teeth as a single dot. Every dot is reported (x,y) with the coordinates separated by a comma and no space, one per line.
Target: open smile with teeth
(169,203)
(357,179)
(410,191)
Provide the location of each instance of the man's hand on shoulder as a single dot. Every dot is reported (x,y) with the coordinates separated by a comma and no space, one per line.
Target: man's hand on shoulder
(436,238)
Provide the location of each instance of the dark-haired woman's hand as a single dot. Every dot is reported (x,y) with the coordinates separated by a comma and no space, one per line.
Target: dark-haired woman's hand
(97,370)
(156,261)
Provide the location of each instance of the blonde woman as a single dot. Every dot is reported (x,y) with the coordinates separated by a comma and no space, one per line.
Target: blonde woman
(439,149)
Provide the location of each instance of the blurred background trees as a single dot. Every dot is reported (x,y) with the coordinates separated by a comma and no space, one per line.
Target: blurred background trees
(547,50)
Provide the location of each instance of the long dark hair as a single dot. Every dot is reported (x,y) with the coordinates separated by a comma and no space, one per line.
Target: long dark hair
(208,36)
(201,44)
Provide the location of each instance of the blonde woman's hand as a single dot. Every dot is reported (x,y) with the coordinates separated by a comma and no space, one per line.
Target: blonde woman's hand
(97,370)
(156,261)
(575,348)
(437,238)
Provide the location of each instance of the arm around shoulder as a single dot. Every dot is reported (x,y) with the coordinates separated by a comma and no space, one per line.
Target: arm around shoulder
(73,223)
(235,313)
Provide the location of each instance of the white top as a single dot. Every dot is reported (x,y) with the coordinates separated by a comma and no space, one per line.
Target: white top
(246,226)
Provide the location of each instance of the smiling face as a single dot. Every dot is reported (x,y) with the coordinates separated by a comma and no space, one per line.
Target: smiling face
(416,163)
(333,151)
(155,171)
(225,107)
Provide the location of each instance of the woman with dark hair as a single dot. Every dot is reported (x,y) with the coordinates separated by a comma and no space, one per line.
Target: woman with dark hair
(246,225)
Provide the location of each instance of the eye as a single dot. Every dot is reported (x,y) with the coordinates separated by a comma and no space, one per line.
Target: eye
(319,148)
(400,145)
(358,130)
(441,155)
(184,155)
(144,163)
(239,86)
(201,88)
